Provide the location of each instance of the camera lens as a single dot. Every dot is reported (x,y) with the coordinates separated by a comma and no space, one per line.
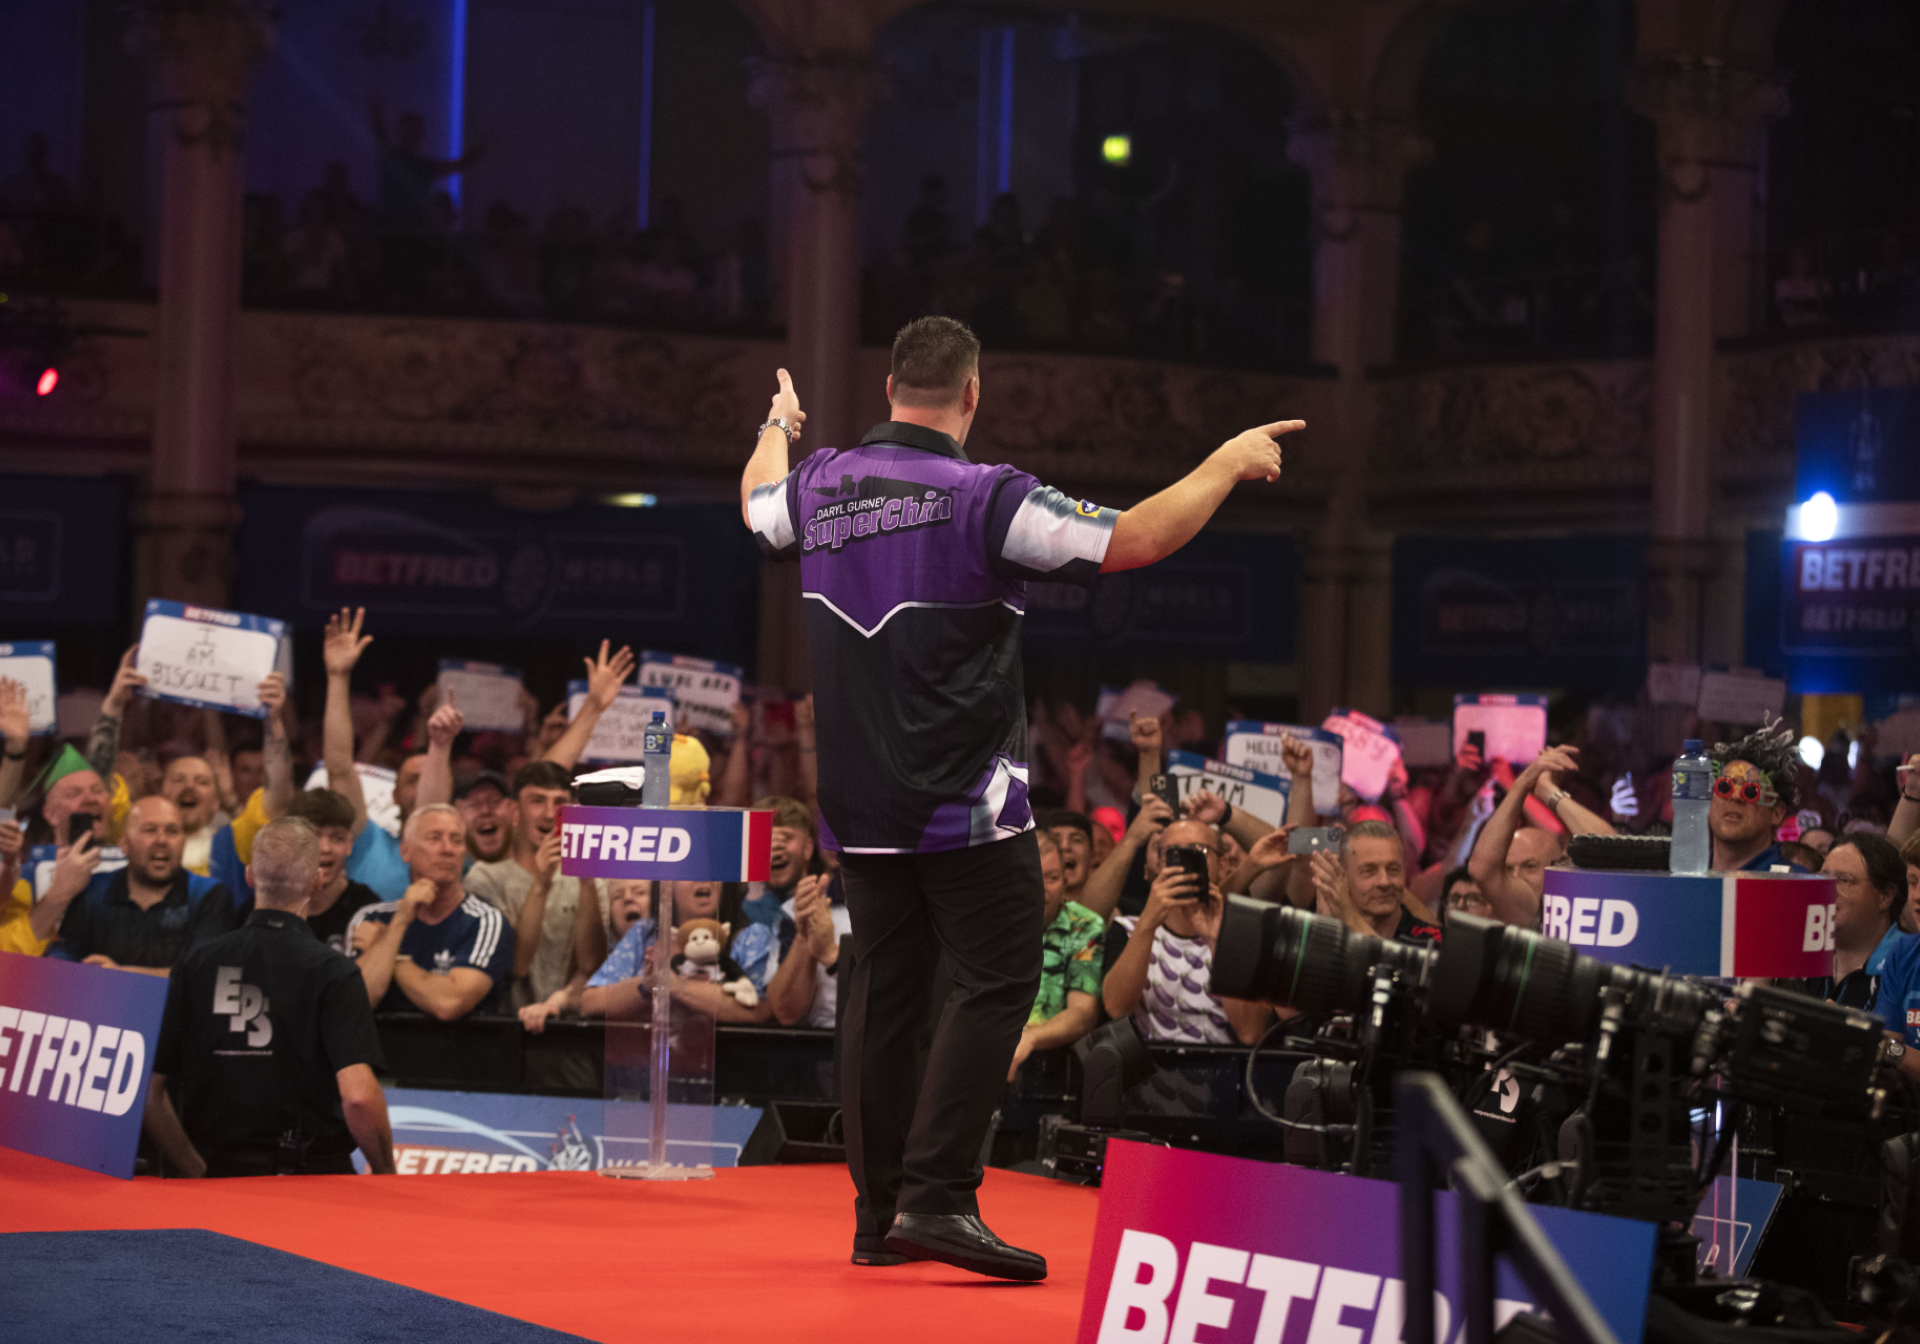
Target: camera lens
(1514,981)
(1277,954)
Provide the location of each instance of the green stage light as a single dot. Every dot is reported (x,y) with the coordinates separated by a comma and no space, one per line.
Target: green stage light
(1117,150)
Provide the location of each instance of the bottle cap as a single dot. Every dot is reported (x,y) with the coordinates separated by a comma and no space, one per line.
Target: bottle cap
(1693,743)
(660,716)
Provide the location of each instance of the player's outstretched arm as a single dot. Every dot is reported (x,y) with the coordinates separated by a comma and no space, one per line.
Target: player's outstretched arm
(1158,526)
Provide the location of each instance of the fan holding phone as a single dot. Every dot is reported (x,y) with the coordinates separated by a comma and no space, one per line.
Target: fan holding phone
(1160,979)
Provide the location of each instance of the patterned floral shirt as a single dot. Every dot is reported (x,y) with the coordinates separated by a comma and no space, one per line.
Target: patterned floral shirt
(1069,960)
(1177,1005)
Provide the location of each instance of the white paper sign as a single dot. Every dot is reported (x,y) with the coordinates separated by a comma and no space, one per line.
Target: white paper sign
(31,664)
(1515,726)
(1250,791)
(1673,683)
(1115,704)
(201,656)
(1257,746)
(1726,697)
(486,694)
(1370,751)
(376,787)
(618,735)
(704,692)
(1424,742)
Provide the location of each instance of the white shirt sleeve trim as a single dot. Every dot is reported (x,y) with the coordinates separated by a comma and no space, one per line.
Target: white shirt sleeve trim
(767,511)
(1050,530)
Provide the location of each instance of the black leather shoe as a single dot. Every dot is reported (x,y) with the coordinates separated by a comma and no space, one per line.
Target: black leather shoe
(873,1252)
(963,1241)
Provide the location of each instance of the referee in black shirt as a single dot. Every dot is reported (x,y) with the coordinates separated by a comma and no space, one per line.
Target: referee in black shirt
(270,1035)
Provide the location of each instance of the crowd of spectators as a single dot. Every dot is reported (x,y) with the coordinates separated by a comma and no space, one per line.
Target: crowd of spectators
(435,854)
(1853,281)
(1069,285)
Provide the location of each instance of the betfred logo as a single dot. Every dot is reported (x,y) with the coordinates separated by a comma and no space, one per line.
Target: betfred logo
(1589,921)
(1913,1017)
(1819,935)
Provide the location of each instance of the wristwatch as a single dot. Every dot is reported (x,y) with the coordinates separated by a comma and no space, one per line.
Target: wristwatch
(1896,1051)
(779,422)
(1559,797)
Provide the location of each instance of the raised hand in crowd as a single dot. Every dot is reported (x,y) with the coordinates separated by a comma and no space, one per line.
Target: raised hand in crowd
(1564,807)
(1331,897)
(1264,856)
(73,867)
(16,726)
(13,841)
(444,725)
(127,679)
(606,673)
(340,650)
(1174,890)
(1101,891)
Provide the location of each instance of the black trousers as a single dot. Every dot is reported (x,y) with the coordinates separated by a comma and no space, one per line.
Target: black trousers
(918,1150)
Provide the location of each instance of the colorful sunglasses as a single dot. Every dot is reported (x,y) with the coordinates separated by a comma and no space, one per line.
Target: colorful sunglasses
(1745,791)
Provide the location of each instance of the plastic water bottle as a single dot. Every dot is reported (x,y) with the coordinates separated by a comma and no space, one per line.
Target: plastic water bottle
(656,756)
(1692,850)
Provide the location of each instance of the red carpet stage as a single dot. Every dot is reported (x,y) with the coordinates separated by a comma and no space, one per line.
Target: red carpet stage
(758,1252)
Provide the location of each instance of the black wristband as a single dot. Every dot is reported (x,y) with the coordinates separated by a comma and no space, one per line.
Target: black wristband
(1227,816)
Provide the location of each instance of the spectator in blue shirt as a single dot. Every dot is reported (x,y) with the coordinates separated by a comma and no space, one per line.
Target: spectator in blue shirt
(623,985)
(436,950)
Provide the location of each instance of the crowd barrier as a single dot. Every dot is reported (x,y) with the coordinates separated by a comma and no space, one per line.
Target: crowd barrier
(1197,1097)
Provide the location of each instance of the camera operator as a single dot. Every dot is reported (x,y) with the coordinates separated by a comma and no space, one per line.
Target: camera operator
(1365,888)
(1170,949)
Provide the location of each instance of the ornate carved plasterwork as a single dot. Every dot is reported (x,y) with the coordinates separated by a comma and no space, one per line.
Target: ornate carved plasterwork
(1526,413)
(1757,388)
(439,380)
(204,51)
(1083,418)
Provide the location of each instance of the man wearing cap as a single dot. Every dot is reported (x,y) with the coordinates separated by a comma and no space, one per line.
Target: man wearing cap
(484,804)
(914,566)
(528,888)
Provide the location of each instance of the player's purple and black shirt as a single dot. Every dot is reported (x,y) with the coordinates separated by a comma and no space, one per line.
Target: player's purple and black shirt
(914,565)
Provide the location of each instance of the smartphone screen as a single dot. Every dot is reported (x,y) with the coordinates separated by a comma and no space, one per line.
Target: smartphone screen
(1162,787)
(1477,739)
(79,824)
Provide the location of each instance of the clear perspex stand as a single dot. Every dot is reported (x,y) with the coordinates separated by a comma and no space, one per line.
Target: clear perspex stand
(658,1118)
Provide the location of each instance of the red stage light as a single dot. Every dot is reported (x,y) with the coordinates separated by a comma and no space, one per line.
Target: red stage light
(48,381)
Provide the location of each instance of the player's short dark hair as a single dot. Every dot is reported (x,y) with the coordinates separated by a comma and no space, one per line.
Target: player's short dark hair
(321,808)
(542,775)
(933,357)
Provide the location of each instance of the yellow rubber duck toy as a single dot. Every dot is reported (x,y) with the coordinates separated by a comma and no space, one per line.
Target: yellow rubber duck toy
(688,772)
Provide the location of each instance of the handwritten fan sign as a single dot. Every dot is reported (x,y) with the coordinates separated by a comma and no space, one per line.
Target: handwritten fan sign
(1244,790)
(203,656)
(704,692)
(1370,749)
(1515,725)
(376,790)
(1257,746)
(486,694)
(31,664)
(617,736)
(1673,683)
(1729,697)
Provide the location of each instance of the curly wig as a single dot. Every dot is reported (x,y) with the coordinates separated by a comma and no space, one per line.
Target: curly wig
(1772,750)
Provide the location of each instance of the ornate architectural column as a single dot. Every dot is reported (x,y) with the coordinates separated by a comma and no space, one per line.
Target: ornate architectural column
(1709,113)
(202,53)
(1358,165)
(817,104)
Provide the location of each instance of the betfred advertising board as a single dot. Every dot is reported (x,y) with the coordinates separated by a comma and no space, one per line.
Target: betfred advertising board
(1730,924)
(1251,1252)
(655,843)
(76,1050)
